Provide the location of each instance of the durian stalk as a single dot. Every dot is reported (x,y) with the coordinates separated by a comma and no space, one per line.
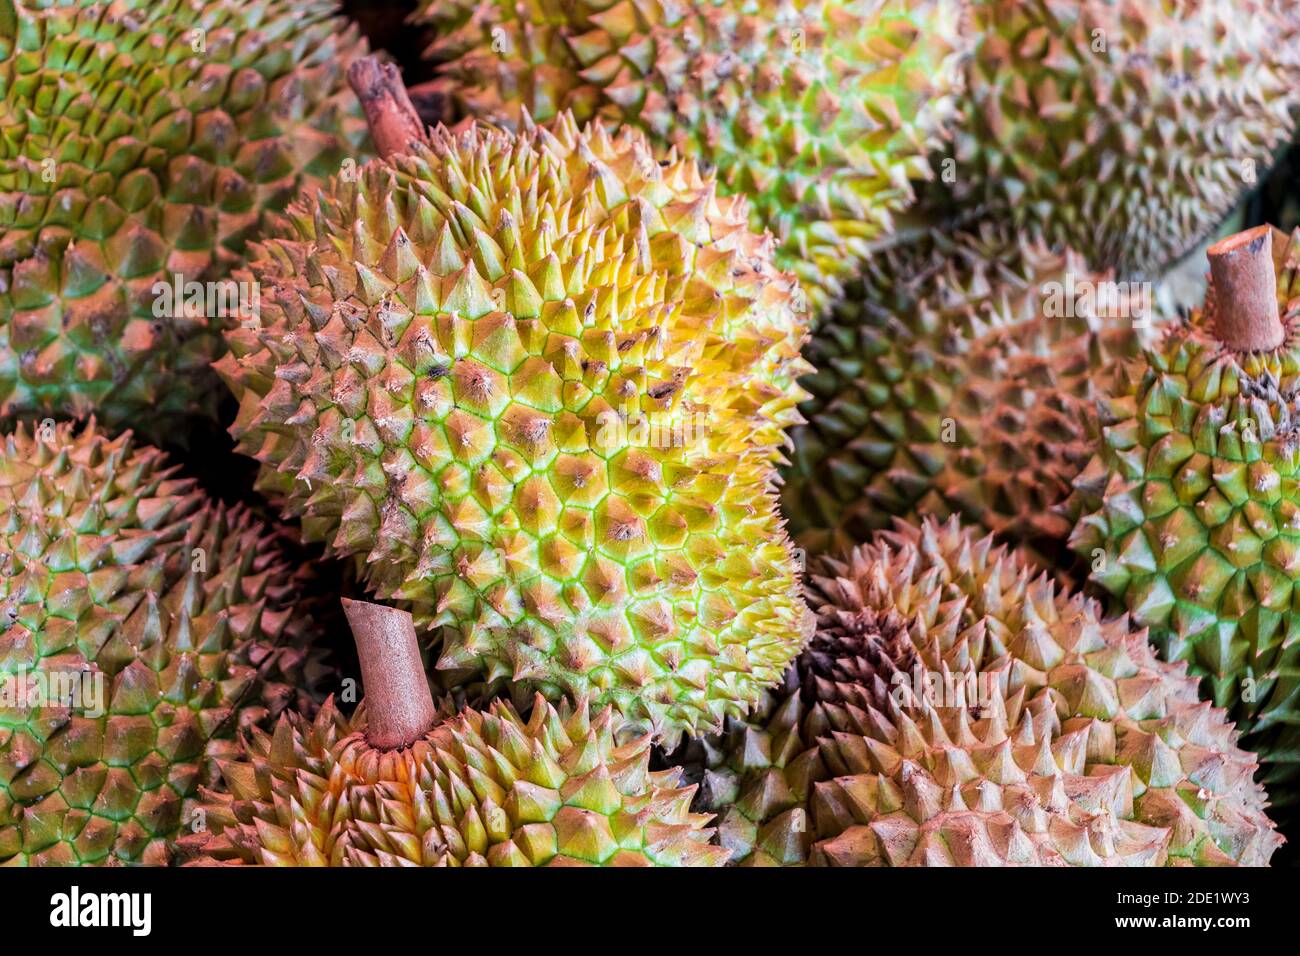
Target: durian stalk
(1246,315)
(394,122)
(399,705)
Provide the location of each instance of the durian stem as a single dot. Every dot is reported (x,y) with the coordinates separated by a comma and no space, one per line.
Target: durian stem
(1246,315)
(394,122)
(399,705)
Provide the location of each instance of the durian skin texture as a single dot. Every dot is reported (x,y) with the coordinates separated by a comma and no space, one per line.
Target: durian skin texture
(956,378)
(115,566)
(1125,129)
(445,345)
(482,788)
(1190,515)
(1081,749)
(821,113)
(128,157)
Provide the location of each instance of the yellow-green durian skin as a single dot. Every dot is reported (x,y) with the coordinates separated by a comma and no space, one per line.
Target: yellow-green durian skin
(482,788)
(820,113)
(436,387)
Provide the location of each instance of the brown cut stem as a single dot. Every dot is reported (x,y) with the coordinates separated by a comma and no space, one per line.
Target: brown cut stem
(1246,314)
(394,122)
(399,705)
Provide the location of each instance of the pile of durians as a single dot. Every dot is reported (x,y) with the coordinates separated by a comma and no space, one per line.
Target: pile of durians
(705,432)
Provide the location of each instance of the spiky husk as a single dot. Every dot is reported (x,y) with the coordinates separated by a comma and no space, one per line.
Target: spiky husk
(1041,734)
(957,378)
(437,390)
(116,568)
(139,141)
(482,788)
(1182,286)
(820,112)
(758,775)
(1190,514)
(1125,129)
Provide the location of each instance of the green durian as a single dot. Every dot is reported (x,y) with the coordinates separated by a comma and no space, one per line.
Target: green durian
(168,622)
(820,112)
(142,144)
(757,776)
(957,377)
(1189,514)
(1124,129)
(449,385)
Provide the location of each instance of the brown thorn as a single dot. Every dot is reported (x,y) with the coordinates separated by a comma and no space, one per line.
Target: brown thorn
(394,122)
(399,705)
(1246,315)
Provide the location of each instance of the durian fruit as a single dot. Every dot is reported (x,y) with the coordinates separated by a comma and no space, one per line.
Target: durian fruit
(957,709)
(437,386)
(821,112)
(140,628)
(1124,129)
(757,775)
(958,377)
(142,143)
(1190,516)
(403,783)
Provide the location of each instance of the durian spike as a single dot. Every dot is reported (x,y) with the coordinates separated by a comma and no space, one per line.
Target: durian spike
(394,122)
(1246,314)
(399,705)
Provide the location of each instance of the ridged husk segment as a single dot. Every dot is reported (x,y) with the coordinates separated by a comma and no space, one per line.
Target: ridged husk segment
(1190,514)
(114,566)
(821,113)
(128,157)
(1125,129)
(1068,744)
(958,377)
(446,345)
(758,774)
(482,788)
